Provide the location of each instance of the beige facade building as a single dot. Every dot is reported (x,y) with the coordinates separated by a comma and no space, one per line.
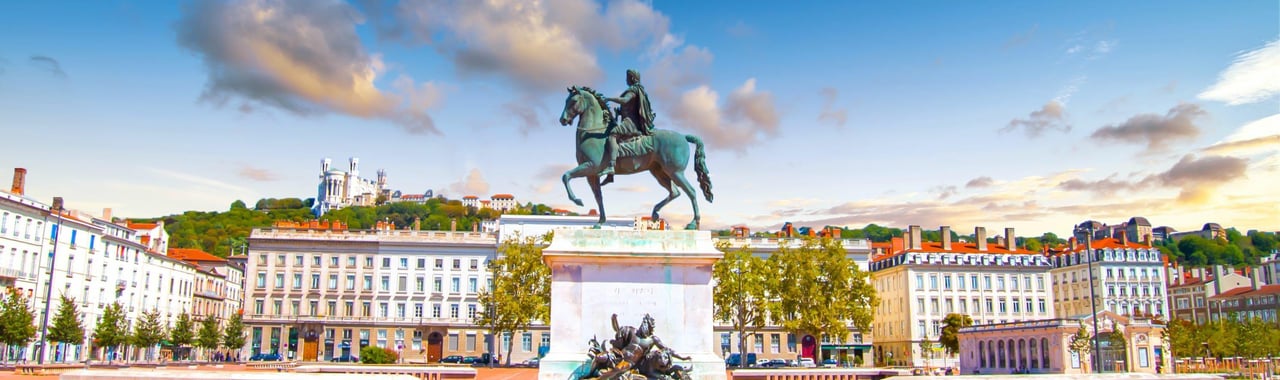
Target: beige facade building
(1128,278)
(317,294)
(1043,347)
(924,281)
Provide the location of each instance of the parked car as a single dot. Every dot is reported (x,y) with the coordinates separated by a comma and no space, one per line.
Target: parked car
(485,359)
(265,357)
(531,363)
(806,363)
(830,363)
(470,359)
(346,359)
(735,360)
(452,359)
(774,363)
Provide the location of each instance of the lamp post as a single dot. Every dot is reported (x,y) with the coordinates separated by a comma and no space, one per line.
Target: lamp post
(742,338)
(1093,305)
(48,289)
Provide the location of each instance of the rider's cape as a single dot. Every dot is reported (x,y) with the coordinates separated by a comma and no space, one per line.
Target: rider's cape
(646,112)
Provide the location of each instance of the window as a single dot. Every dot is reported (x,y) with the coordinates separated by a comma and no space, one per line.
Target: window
(1017,308)
(999,282)
(365,308)
(960,281)
(400,310)
(402,284)
(439,263)
(950,306)
(297,280)
(759,343)
(456,285)
(1002,306)
(471,311)
(262,279)
(471,284)
(475,264)
(297,260)
(453,311)
(964,307)
(351,281)
(315,261)
(417,310)
(436,284)
(1013,282)
(457,264)
(279,260)
(453,342)
(279,280)
(990,304)
(257,307)
(368,262)
(276,306)
(348,308)
(386,283)
(919,281)
(421,284)
(974,282)
(1029,309)
(920,326)
(946,282)
(422,263)
(262,259)
(1039,282)
(775,343)
(1042,309)
(368,282)
(933,282)
(333,261)
(986,280)
(404,263)
(920,304)
(526,342)
(386,262)
(933,306)
(791,343)
(315,281)
(435,311)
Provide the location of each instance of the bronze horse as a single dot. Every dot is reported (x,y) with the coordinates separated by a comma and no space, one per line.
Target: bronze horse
(666,160)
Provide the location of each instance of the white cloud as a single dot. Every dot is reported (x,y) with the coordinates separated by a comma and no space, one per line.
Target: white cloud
(1253,77)
(747,115)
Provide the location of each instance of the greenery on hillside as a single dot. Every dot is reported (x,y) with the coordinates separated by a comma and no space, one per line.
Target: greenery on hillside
(1237,249)
(221,232)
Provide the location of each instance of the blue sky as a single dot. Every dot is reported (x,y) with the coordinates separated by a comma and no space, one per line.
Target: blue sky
(1028,115)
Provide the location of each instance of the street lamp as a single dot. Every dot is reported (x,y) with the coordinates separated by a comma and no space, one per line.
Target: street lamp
(1093,305)
(48,289)
(742,338)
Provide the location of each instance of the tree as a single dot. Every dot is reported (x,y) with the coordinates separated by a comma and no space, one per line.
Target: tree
(521,290)
(149,332)
(741,293)
(17,320)
(1082,344)
(238,205)
(926,349)
(180,335)
(112,329)
(233,337)
(67,327)
(207,337)
(951,325)
(818,290)
(378,355)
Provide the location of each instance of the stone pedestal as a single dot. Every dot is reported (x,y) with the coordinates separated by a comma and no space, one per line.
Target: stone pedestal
(598,273)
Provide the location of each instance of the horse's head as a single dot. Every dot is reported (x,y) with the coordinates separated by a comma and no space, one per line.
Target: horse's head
(583,101)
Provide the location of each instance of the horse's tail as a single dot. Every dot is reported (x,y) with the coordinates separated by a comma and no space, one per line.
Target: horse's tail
(700,166)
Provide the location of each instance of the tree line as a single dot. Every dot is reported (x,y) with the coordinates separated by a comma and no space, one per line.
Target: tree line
(114,332)
(1236,249)
(1229,337)
(220,233)
(813,288)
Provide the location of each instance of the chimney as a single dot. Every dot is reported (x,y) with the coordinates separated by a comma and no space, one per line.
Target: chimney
(453,225)
(946,237)
(914,237)
(980,237)
(1000,240)
(1010,240)
(1072,242)
(896,244)
(57,205)
(417,223)
(106,214)
(1122,236)
(19,181)
(1254,281)
(1218,273)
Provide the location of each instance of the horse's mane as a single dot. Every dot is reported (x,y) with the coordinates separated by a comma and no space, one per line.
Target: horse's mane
(607,114)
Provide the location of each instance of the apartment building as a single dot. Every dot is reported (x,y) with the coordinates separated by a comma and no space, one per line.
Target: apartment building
(321,293)
(1191,288)
(1127,278)
(922,282)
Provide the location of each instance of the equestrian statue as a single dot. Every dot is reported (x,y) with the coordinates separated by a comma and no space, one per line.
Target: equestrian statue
(629,144)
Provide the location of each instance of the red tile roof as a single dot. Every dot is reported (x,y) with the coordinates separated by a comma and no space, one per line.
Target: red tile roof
(470,197)
(1248,291)
(503,196)
(140,226)
(188,254)
(956,247)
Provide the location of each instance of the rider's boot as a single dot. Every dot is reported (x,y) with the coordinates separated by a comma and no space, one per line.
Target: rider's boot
(607,173)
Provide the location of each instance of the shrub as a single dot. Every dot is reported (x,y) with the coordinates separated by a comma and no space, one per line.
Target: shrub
(378,355)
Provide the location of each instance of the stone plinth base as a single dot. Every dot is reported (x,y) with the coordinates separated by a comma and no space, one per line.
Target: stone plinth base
(598,273)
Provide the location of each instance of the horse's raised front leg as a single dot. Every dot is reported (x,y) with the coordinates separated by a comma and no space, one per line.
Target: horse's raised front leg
(679,179)
(579,171)
(594,181)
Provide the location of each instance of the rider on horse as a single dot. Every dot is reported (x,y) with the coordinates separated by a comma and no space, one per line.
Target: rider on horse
(635,119)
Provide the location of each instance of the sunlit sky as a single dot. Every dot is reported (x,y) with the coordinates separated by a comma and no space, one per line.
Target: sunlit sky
(1033,115)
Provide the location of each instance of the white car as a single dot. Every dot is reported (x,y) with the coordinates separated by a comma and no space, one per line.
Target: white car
(807,363)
